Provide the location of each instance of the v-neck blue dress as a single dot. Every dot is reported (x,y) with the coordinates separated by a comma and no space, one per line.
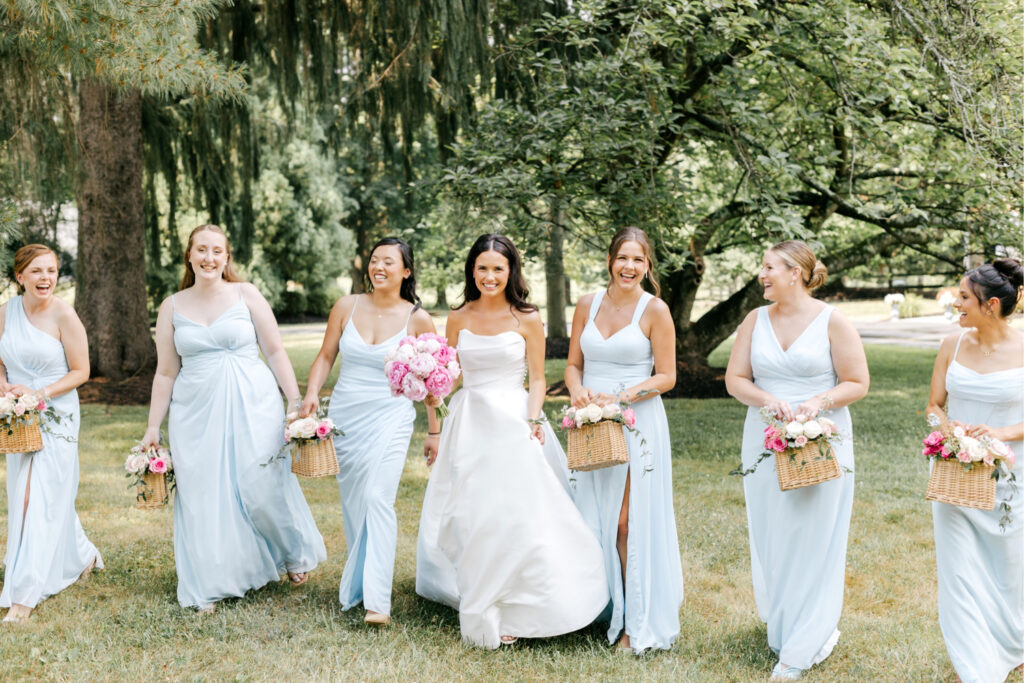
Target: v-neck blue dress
(797,538)
(371,456)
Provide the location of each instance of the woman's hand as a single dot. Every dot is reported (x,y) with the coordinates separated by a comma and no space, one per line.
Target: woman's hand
(309,406)
(981,430)
(432,401)
(151,439)
(537,432)
(581,398)
(603,399)
(18,390)
(814,405)
(430,448)
(781,409)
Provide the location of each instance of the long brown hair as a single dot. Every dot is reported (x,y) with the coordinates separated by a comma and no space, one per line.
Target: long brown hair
(29,253)
(633,234)
(229,274)
(516,291)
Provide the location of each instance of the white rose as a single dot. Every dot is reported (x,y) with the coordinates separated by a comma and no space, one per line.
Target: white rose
(28,401)
(136,463)
(794,429)
(812,430)
(592,413)
(611,410)
(973,447)
(6,405)
(304,428)
(959,432)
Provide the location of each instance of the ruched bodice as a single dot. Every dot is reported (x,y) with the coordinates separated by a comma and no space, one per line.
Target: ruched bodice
(32,357)
(492,362)
(361,375)
(992,398)
(52,549)
(231,334)
(624,357)
(238,522)
(799,372)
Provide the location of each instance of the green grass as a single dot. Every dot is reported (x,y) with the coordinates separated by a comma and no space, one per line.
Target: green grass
(125,623)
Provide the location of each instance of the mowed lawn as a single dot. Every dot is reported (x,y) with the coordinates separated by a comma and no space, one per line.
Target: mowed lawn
(125,623)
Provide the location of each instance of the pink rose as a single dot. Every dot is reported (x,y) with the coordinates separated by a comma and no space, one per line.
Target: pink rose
(41,406)
(801,441)
(439,383)
(19,409)
(945,452)
(322,430)
(1010,458)
(778,445)
(963,456)
(157,465)
(567,423)
(413,388)
(933,440)
(629,417)
(287,433)
(989,458)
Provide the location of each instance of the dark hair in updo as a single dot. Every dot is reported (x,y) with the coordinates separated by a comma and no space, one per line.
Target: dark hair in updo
(1001,279)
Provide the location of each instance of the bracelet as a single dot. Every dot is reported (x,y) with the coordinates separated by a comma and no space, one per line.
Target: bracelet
(827,401)
(433,433)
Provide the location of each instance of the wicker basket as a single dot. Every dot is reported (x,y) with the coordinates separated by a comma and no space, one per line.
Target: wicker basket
(316,458)
(154,493)
(592,447)
(800,467)
(23,438)
(951,483)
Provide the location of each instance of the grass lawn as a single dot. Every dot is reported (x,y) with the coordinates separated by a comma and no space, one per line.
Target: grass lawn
(125,623)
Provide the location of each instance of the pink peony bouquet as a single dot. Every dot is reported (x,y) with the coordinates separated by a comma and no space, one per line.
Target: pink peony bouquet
(422,366)
(952,441)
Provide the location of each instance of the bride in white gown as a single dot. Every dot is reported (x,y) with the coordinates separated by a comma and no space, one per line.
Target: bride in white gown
(500,539)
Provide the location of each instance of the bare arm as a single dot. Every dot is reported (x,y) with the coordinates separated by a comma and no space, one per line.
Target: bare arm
(328,353)
(4,386)
(76,350)
(451,332)
(168,363)
(269,338)
(851,368)
(579,394)
(533,332)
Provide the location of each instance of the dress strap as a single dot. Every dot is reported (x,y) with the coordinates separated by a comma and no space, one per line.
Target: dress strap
(958,340)
(595,305)
(240,297)
(353,311)
(641,305)
(409,317)
(173,307)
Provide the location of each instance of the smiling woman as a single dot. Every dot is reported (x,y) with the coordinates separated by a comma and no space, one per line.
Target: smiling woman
(44,351)
(226,422)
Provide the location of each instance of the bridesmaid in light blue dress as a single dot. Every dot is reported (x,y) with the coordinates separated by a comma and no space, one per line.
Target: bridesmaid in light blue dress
(797,356)
(238,524)
(979,382)
(44,351)
(377,426)
(619,337)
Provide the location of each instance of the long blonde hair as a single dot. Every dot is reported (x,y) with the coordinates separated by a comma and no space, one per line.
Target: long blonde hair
(229,274)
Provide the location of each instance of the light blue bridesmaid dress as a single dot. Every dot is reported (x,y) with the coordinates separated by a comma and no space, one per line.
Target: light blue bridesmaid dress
(46,548)
(798,537)
(648,606)
(371,455)
(238,524)
(980,567)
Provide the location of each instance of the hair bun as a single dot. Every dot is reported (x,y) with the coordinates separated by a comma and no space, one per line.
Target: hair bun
(817,277)
(1011,269)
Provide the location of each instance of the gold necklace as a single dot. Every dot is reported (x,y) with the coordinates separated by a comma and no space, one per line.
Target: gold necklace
(611,302)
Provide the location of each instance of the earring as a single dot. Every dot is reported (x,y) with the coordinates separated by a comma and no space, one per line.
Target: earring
(792,283)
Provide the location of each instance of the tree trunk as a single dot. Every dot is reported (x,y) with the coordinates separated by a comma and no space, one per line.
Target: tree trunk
(554,274)
(442,297)
(110,292)
(359,260)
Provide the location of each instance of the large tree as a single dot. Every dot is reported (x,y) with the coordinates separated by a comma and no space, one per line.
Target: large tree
(112,53)
(865,126)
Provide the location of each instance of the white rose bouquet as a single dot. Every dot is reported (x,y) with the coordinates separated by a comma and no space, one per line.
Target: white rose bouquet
(22,421)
